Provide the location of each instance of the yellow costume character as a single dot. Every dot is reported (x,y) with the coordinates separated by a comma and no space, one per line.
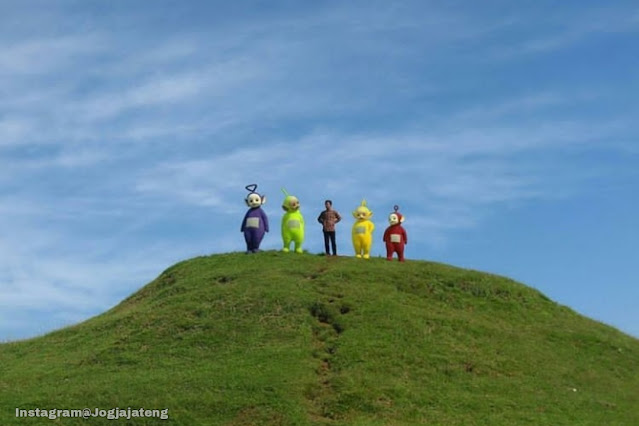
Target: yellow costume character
(363,231)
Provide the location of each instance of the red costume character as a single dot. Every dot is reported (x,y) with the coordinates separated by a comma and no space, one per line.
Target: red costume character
(395,236)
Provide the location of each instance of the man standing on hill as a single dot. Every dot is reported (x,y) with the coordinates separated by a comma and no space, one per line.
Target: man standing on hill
(329,218)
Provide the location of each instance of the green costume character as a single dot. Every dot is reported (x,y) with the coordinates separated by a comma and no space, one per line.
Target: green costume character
(292,223)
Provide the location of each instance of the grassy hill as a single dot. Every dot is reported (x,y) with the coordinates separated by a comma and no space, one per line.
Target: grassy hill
(286,339)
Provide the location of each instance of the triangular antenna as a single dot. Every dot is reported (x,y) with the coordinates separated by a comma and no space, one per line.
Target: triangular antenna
(251,188)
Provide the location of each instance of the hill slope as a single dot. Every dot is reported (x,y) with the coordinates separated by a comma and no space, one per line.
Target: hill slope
(285,339)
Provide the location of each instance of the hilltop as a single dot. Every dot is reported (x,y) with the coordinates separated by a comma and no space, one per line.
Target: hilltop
(285,339)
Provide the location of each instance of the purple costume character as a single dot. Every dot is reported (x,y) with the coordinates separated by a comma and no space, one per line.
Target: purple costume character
(255,222)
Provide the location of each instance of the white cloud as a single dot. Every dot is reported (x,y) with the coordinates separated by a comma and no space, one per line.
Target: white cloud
(563,29)
(157,91)
(47,54)
(13,130)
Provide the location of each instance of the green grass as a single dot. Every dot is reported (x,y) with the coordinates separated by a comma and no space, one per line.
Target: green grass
(287,339)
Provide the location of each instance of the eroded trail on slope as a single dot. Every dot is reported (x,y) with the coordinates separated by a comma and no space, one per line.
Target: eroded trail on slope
(327,329)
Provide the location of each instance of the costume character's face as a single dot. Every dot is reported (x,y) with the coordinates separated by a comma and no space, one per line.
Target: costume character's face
(255,200)
(362,212)
(291,204)
(396,217)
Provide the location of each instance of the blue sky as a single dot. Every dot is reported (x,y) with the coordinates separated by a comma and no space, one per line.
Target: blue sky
(506,131)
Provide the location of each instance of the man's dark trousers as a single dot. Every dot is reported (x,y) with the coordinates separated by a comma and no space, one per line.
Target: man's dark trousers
(330,235)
